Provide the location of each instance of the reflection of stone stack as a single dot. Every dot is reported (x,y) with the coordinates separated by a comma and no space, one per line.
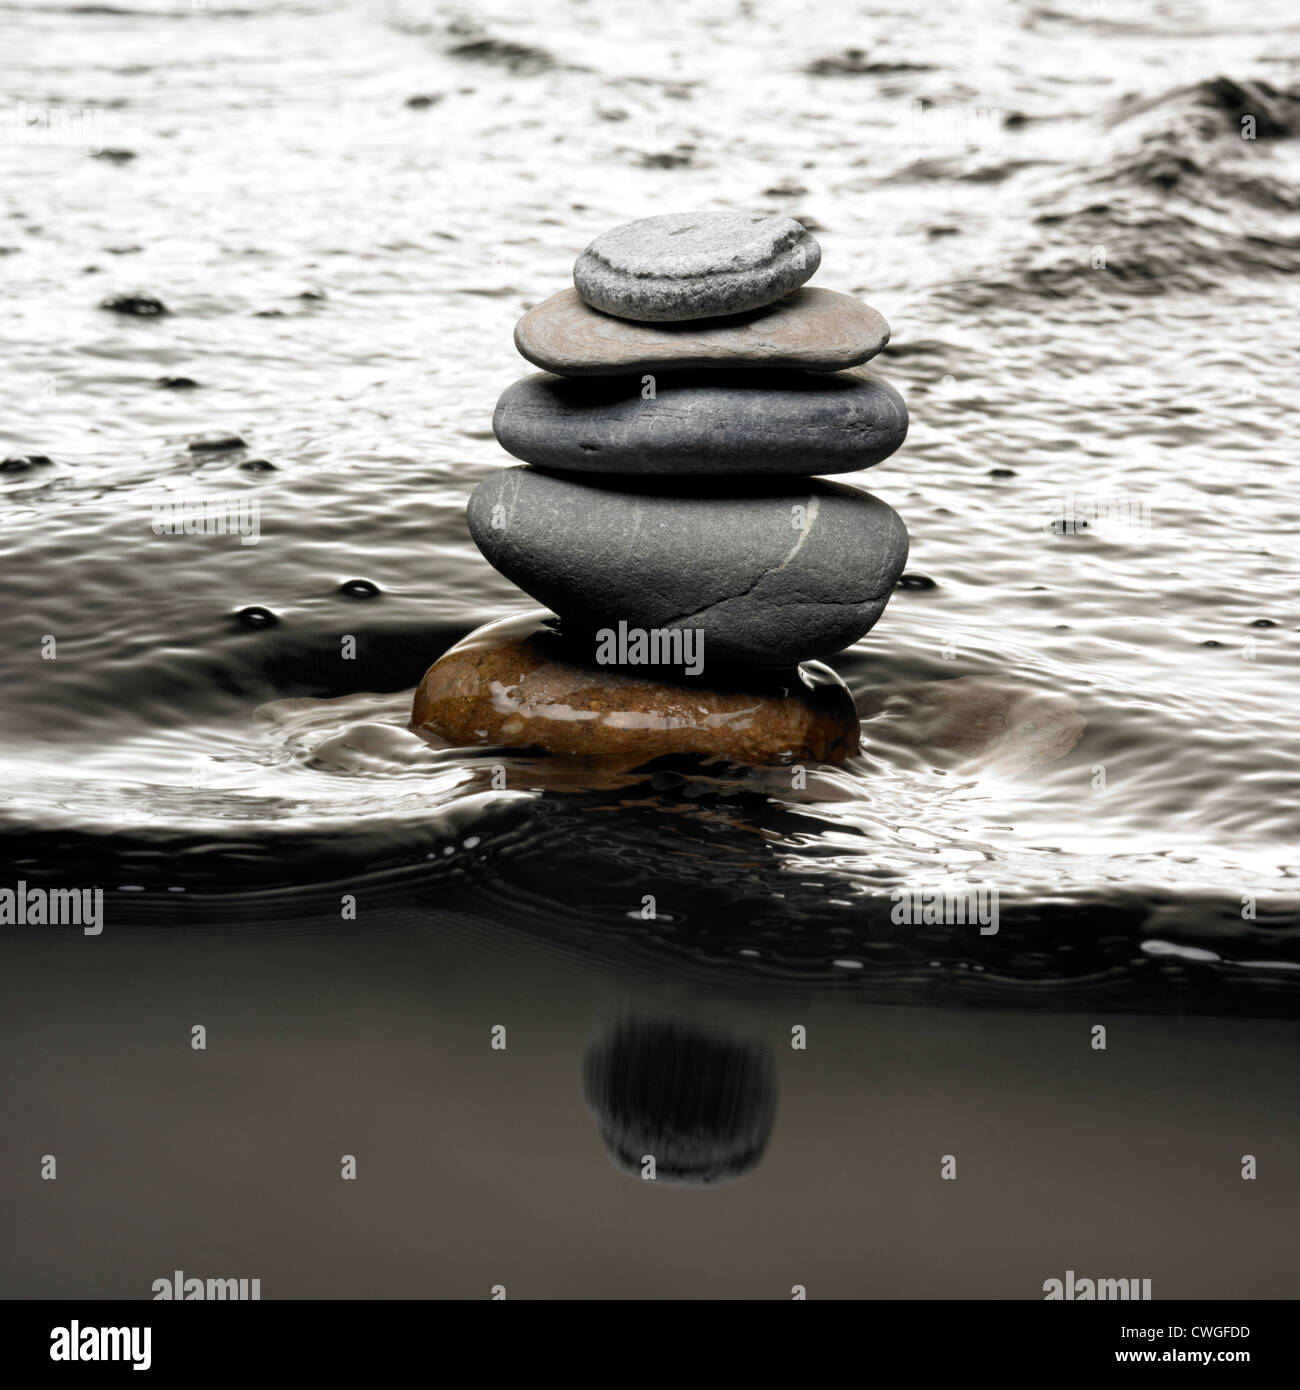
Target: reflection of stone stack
(697,1101)
(668,515)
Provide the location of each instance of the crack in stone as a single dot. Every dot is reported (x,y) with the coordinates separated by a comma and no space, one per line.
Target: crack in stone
(776,569)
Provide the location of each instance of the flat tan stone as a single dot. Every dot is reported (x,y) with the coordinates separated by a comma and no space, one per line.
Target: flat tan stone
(518,683)
(814,329)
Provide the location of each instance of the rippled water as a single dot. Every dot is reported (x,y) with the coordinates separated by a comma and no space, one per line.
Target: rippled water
(1091,283)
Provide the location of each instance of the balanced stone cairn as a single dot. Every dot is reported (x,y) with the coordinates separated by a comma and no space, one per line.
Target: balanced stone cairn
(667,514)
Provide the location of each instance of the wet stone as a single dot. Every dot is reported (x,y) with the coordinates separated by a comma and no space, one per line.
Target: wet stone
(522,683)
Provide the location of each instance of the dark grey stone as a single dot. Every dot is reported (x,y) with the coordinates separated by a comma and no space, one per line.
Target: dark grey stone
(695,265)
(772,575)
(703,422)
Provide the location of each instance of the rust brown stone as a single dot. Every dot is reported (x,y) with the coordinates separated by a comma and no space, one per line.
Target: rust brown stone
(519,683)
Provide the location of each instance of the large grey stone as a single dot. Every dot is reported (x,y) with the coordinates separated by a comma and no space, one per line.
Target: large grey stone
(703,422)
(770,576)
(695,265)
(817,330)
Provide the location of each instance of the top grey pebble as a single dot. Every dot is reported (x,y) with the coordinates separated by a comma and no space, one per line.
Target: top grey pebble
(695,265)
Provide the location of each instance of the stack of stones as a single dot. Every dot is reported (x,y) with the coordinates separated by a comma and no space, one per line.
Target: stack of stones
(668,516)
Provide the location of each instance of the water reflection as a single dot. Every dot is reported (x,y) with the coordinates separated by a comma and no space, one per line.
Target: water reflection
(679,1101)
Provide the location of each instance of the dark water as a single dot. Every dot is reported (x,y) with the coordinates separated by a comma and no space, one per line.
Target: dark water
(1090,278)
